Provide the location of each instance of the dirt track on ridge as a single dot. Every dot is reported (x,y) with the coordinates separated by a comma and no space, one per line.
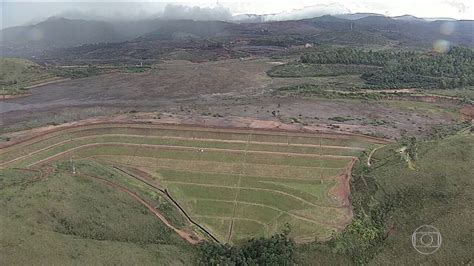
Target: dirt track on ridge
(342,190)
(183,138)
(229,124)
(192,239)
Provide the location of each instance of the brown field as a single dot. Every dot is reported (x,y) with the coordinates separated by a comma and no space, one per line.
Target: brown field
(204,91)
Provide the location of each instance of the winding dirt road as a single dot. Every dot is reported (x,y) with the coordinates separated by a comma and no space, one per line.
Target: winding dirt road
(191,238)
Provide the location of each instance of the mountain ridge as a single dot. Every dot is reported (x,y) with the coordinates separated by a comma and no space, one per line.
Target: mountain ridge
(60,33)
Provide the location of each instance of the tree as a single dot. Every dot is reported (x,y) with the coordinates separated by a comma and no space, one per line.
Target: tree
(442,84)
(276,250)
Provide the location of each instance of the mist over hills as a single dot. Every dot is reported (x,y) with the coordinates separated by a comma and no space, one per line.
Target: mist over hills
(58,33)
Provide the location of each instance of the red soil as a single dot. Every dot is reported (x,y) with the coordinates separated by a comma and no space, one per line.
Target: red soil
(343,189)
(10,96)
(467,112)
(216,123)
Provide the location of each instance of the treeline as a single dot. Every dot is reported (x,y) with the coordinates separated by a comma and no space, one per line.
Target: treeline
(77,72)
(276,250)
(277,41)
(8,82)
(317,70)
(405,68)
(348,56)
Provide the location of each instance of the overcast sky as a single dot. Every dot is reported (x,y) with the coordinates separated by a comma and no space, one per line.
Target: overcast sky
(26,12)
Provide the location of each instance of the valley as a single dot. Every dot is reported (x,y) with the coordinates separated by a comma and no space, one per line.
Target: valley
(326,140)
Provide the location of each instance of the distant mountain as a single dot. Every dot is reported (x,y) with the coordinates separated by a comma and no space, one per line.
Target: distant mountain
(439,18)
(312,12)
(189,29)
(409,18)
(355,16)
(414,32)
(59,32)
(143,39)
(248,18)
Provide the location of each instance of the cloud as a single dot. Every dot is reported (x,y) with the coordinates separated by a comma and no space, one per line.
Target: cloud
(173,11)
(16,12)
(460,7)
(309,12)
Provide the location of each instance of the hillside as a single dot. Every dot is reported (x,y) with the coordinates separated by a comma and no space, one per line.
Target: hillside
(290,138)
(192,29)
(221,185)
(391,200)
(59,32)
(17,74)
(156,38)
(59,218)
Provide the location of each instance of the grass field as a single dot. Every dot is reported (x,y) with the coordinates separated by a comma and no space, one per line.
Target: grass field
(17,74)
(236,184)
(467,92)
(391,200)
(317,70)
(57,218)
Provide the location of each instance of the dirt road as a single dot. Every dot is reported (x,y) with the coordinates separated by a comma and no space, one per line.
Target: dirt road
(191,238)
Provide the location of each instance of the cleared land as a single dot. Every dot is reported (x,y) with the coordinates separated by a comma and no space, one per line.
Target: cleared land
(222,89)
(236,184)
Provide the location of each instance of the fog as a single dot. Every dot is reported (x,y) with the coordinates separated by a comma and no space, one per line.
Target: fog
(308,12)
(24,13)
(172,11)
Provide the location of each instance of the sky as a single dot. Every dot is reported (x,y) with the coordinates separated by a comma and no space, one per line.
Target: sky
(19,12)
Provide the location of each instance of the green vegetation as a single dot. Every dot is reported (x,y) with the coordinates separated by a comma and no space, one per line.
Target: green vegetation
(242,198)
(317,70)
(50,216)
(391,200)
(442,131)
(77,72)
(276,250)
(135,69)
(340,119)
(236,184)
(328,92)
(388,68)
(90,70)
(283,41)
(467,94)
(17,74)
(451,111)
(392,97)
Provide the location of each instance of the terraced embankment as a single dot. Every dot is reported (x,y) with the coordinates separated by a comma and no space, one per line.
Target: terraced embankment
(234,183)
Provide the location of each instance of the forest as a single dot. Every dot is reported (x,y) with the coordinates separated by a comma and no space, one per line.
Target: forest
(401,69)
(279,249)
